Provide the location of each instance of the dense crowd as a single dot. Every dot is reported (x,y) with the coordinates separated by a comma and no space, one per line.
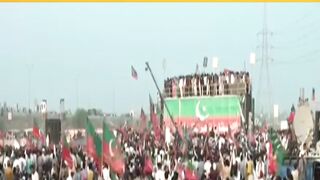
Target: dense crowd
(195,156)
(227,82)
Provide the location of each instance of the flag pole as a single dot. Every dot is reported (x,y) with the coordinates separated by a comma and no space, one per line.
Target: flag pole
(102,146)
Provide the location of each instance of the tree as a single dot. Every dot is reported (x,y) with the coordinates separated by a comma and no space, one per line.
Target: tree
(79,118)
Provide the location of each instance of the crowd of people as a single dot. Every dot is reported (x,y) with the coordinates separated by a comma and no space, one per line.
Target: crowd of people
(227,82)
(195,156)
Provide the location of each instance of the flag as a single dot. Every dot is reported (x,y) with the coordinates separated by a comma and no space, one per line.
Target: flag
(190,173)
(291,115)
(108,143)
(37,132)
(66,154)
(94,144)
(277,147)
(272,165)
(143,119)
(313,94)
(148,166)
(154,120)
(134,73)
(205,62)
(183,133)
(111,154)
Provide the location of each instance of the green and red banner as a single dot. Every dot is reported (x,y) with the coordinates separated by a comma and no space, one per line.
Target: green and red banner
(221,112)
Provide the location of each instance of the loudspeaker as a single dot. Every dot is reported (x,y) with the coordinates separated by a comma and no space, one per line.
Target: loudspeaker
(53,129)
(316,170)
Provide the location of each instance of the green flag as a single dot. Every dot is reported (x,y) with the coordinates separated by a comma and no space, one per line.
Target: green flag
(94,143)
(277,146)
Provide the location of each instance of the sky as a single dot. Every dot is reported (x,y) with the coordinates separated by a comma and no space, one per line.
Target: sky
(84,52)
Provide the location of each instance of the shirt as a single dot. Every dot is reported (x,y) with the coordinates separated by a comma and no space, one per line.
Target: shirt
(5,162)
(260,169)
(69,178)
(250,168)
(159,175)
(106,174)
(35,176)
(90,175)
(295,174)
(8,173)
(77,176)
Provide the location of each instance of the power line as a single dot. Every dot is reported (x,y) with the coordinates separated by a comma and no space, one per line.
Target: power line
(305,58)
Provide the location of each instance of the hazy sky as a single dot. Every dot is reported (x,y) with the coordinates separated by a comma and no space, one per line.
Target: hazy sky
(95,45)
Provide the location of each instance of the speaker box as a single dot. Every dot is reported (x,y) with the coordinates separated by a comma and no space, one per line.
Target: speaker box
(53,129)
(316,170)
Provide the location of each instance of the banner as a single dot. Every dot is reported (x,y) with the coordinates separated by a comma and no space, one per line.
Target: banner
(218,112)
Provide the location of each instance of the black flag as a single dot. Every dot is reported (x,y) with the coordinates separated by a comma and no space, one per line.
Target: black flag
(205,62)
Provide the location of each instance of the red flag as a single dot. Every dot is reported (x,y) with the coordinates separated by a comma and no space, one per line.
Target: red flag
(143,118)
(156,127)
(66,154)
(37,133)
(36,130)
(117,166)
(272,168)
(292,115)
(148,166)
(190,173)
(134,73)
(154,120)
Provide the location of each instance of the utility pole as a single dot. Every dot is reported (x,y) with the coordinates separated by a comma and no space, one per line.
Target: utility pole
(114,101)
(29,68)
(77,92)
(264,95)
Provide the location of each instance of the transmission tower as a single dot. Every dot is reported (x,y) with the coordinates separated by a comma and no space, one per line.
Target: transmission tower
(264,95)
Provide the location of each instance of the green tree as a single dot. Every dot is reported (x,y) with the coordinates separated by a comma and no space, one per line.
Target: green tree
(79,118)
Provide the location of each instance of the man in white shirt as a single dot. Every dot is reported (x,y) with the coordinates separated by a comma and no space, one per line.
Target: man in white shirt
(181,86)
(159,175)
(295,172)
(35,175)
(194,85)
(5,162)
(207,167)
(260,169)
(106,172)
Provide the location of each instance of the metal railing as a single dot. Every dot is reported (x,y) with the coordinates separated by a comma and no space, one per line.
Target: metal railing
(215,89)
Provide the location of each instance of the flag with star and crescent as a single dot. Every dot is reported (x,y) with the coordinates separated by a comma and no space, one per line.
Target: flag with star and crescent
(111,152)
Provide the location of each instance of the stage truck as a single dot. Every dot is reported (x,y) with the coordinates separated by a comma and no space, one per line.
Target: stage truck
(220,102)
